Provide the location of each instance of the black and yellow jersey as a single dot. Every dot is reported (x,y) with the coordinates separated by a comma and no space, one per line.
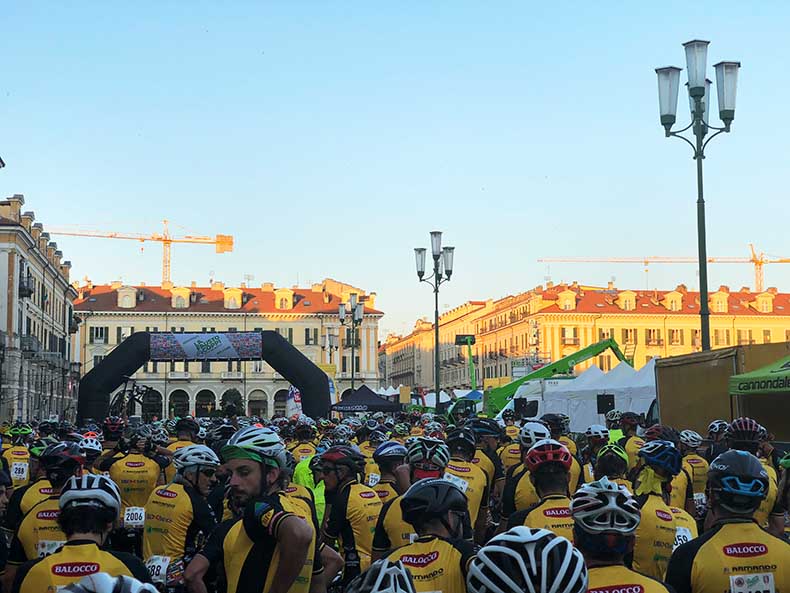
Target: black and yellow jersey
(392,531)
(569,443)
(552,513)
(352,520)
(490,464)
(519,493)
(735,555)
(177,521)
(24,499)
(682,489)
(654,538)
(75,560)
(685,526)
(511,432)
(473,481)
(632,445)
(372,473)
(136,476)
(697,468)
(510,455)
(385,489)
(250,548)
(770,504)
(302,451)
(435,563)
(367,449)
(620,579)
(294,489)
(18,459)
(38,533)
(170,470)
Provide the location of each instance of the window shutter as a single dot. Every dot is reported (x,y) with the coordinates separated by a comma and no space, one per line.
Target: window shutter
(118,335)
(92,332)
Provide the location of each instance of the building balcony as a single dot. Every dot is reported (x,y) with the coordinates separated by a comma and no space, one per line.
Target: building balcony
(655,342)
(569,341)
(178,375)
(29,344)
(745,342)
(26,288)
(232,375)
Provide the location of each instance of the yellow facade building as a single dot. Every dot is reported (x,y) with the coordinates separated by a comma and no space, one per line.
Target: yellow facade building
(516,333)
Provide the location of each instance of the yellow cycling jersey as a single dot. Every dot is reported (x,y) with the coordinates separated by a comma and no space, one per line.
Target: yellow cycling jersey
(632,445)
(372,472)
(769,505)
(170,470)
(734,556)
(24,499)
(367,449)
(18,458)
(302,451)
(552,513)
(511,431)
(519,493)
(685,526)
(588,473)
(619,579)
(38,533)
(435,563)
(697,468)
(136,476)
(473,481)
(177,521)
(510,455)
(654,538)
(251,550)
(569,443)
(294,489)
(352,520)
(385,489)
(75,560)
(392,531)
(682,490)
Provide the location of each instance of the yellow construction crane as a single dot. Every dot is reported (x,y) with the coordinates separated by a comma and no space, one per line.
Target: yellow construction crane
(758,260)
(222,243)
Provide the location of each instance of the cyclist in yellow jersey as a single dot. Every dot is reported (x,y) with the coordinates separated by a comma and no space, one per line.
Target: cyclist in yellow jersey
(394,474)
(631,443)
(612,463)
(606,517)
(509,455)
(472,480)
(178,518)
(303,447)
(277,536)
(89,505)
(17,457)
(186,434)
(511,430)
(655,536)
(696,467)
(92,450)
(25,497)
(548,462)
(519,493)
(427,458)
(735,554)
(400,432)
(487,435)
(613,418)
(527,560)
(439,556)
(681,492)
(558,426)
(39,533)
(354,509)
(597,437)
(686,528)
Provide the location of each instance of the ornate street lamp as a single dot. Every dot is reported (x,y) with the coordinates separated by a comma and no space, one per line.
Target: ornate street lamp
(351,314)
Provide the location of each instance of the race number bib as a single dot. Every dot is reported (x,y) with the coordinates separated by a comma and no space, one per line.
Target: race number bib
(157,567)
(373,479)
(682,536)
(134,517)
(46,547)
(753,583)
(460,482)
(19,471)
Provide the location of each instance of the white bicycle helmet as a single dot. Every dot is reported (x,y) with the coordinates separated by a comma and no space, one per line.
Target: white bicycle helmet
(102,582)
(614,415)
(90,490)
(431,450)
(195,455)
(263,442)
(690,438)
(524,560)
(604,506)
(383,576)
(597,431)
(532,432)
(92,445)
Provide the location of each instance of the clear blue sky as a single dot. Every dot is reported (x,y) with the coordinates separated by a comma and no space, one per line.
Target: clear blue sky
(330,137)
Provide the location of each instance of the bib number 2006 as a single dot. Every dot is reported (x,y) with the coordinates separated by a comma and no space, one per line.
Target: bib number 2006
(134,517)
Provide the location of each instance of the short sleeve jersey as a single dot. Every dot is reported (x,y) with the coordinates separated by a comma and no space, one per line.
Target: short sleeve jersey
(632,445)
(569,443)
(38,533)
(510,455)
(552,513)
(24,499)
(682,489)
(697,468)
(473,481)
(609,579)
(75,560)
(769,504)
(177,521)
(511,431)
(685,526)
(519,493)
(654,538)
(302,451)
(733,556)
(136,476)
(392,531)
(18,458)
(491,465)
(352,519)
(170,471)
(386,490)
(435,563)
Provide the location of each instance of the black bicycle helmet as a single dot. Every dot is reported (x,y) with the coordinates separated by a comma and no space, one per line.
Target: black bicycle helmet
(738,482)
(431,498)
(484,427)
(345,456)
(555,422)
(187,425)
(461,438)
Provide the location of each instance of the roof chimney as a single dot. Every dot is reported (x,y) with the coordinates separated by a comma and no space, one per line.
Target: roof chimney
(27,219)
(116,284)
(217,286)
(15,203)
(267,287)
(610,285)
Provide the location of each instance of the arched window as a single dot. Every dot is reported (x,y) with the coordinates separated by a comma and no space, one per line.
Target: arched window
(283,303)
(126,301)
(181,302)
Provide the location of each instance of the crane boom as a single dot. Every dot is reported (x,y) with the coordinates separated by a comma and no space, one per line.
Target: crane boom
(222,243)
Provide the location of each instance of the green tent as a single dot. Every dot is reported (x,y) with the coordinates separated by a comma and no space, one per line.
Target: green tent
(774,378)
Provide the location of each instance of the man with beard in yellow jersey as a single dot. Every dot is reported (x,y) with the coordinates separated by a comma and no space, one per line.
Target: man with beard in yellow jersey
(89,505)
(186,434)
(471,480)
(273,548)
(548,462)
(439,557)
(605,518)
(519,493)
(735,555)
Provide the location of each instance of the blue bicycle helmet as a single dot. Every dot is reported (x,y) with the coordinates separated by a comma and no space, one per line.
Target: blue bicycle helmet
(389,450)
(662,455)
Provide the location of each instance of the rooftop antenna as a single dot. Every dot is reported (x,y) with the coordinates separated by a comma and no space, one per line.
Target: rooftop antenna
(211,277)
(248,278)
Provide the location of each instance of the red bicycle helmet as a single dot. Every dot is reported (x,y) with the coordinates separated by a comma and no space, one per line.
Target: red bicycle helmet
(548,451)
(659,432)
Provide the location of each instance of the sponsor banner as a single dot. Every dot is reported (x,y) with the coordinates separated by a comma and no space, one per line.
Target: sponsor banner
(419,560)
(745,550)
(206,346)
(293,403)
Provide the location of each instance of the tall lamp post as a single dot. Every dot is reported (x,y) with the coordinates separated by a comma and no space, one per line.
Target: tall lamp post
(351,314)
(442,270)
(699,103)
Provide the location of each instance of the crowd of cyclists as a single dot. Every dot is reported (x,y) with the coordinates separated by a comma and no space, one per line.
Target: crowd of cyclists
(403,503)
